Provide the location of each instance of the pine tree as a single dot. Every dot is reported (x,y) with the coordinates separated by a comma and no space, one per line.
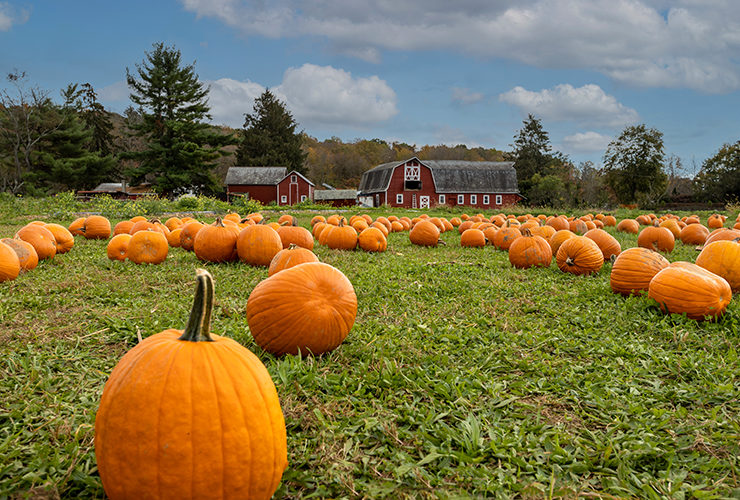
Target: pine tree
(531,153)
(269,137)
(181,148)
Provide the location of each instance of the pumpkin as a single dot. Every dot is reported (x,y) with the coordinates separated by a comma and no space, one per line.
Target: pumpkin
(505,236)
(685,288)
(289,257)
(297,235)
(76,226)
(607,243)
(630,226)
(175,222)
(644,220)
(257,245)
(558,238)
(173,237)
(579,255)
(715,221)
(256,217)
(659,239)
(722,234)
(577,226)
(96,227)
(634,268)
(317,218)
(27,256)
(216,242)
(672,226)
(41,238)
(339,237)
(307,308)
(10,265)
(424,233)
(694,234)
(190,414)
(558,223)
(530,250)
(147,247)
(118,246)
(609,220)
(287,220)
(187,234)
(360,224)
(122,227)
(62,237)
(372,239)
(722,257)
(473,238)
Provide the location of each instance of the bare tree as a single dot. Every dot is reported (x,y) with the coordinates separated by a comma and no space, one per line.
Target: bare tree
(22,127)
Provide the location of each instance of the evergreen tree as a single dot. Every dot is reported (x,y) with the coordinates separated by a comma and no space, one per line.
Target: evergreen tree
(269,138)
(181,149)
(531,154)
(85,100)
(634,165)
(719,178)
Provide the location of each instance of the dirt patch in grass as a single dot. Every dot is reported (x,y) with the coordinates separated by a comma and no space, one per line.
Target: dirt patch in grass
(554,411)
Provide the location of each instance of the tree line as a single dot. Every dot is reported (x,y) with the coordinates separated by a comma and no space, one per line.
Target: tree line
(165,139)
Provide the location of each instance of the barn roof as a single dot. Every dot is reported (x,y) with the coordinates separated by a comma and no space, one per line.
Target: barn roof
(334,194)
(255,175)
(451,176)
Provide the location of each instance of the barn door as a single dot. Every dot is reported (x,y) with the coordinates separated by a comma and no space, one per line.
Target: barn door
(293,193)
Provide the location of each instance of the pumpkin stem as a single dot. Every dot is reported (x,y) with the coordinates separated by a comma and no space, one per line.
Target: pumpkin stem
(219,222)
(198,328)
(570,261)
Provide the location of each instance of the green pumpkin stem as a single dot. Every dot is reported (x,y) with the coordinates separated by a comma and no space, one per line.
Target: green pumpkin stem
(198,328)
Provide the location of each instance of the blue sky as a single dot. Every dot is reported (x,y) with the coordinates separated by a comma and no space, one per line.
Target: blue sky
(416,71)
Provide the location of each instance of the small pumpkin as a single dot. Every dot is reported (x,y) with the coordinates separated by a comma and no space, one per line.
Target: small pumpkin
(290,257)
(27,256)
(634,268)
(216,242)
(659,239)
(257,245)
(685,288)
(607,243)
(715,221)
(190,414)
(424,233)
(505,236)
(117,248)
(41,238)
(579,255)
(63,239)
(372,239)
(630,226)
(474,238)
(694,234)
(187,234)
(96,227)
(297,235)
(339,237)
(122,227)
(147,247)
(307,308)
(76,226)
(10,266)
(558,238)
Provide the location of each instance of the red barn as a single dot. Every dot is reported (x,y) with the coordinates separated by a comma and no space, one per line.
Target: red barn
(423,184)
(269,185)
(336,197)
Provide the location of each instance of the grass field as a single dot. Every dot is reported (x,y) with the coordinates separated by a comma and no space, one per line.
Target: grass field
(462,377)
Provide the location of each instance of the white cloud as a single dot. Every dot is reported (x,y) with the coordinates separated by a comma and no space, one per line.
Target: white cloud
(466,96)
(326,95)
(586,142)
(683,43)
(313,94)
(10,16)
(588,105)
(117,91)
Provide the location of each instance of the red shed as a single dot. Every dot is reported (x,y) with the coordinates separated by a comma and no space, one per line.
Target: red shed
(423,184)
(269,185)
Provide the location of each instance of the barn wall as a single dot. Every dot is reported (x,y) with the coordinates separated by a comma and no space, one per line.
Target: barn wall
(396,187)
(265,194)
(304,189)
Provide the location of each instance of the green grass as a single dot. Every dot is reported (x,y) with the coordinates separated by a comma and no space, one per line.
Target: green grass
(462,377)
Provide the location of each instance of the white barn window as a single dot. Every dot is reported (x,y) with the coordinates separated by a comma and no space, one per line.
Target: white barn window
(486,199)
(399,198)
(461,199)
(303,197)
(442,199)
(473,199)
(499,199)
(283,198)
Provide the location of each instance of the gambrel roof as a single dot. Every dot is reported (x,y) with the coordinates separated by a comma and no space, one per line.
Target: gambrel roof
(450,176)
(334,194)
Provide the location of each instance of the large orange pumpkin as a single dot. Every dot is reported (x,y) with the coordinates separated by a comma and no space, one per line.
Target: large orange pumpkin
(339,237)
(117,248)
(685,288)
(659,239)
(188,232)
(473,238)
(424,233)
(41,238)
(372,239)
(10,266)
(96,227)
(530,250)
(27,256)
(216,242)
(147,247)
(628,226)
(290,257)
(189,414)
(607,243)
(634,268)
(722,257)
(297,235)
(579,255)
(309,307)
(694,234)
(63,239)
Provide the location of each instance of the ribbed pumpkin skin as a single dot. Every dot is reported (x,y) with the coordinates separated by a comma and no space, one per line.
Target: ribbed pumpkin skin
(723,259)
(76,226)
(528,251)
(187,234)
(10,266)
(62,237)
(722,234)
(579,255)
(147,247)
(505,236)
(684,287)
(27,256)
(183,419)
(424,233)
(628,226)
(608,244)
(659,239)
(634,268)
(309,307)
(372,239)
(257,245)
(290,257)
(96,227)
(339,237)
(558,238)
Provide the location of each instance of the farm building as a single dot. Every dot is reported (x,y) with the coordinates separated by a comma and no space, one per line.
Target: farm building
(118,190)
(423,184)
(336,197)
(269,185)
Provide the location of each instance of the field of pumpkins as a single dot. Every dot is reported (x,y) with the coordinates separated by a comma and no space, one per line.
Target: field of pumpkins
(370,354)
